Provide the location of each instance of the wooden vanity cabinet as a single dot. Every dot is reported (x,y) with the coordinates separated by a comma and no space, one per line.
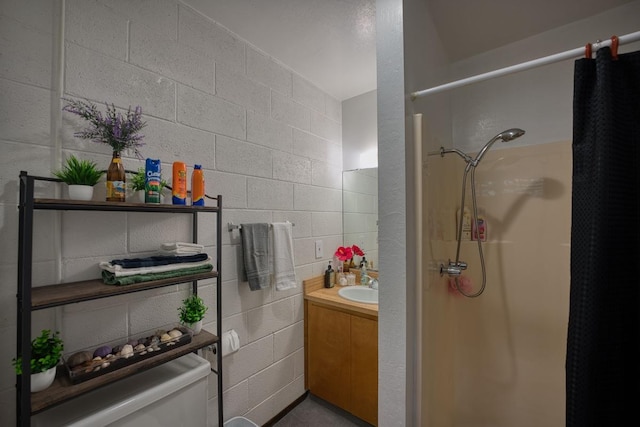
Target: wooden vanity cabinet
(364,369)
(342,359)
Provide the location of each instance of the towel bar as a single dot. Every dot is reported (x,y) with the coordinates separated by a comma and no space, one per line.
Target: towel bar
(231,226)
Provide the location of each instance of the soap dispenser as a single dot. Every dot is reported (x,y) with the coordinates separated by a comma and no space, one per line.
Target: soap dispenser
(363,274)
(328,277)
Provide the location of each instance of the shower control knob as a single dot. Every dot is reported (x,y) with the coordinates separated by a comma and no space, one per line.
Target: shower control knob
(453,269)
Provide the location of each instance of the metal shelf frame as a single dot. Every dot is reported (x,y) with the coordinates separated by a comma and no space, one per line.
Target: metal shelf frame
(24,296)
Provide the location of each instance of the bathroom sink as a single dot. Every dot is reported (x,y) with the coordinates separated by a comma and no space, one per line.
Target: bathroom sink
(359,294)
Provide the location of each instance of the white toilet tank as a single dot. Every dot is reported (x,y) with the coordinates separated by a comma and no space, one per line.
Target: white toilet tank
(172,394)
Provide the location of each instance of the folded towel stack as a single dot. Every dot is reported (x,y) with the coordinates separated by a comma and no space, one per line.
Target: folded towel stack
(136,270)
(178,248)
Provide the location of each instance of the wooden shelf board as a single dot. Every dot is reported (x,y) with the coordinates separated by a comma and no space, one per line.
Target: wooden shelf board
(63,204)
(62,389)
(86,290)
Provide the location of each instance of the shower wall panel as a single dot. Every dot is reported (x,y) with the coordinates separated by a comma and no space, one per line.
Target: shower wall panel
(498,360)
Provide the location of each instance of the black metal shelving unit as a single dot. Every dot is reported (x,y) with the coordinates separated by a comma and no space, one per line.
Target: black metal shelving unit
(30,299)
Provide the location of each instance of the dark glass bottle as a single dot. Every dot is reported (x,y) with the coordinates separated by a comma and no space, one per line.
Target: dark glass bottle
(116,179)
(328,277)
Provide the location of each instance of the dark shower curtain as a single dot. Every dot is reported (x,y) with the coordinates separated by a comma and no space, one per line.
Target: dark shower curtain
(602,366)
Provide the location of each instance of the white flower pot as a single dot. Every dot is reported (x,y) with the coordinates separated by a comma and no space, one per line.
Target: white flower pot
(196,327)
(42,380)
(80,192)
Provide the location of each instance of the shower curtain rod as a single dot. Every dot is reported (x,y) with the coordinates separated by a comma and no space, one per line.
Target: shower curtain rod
(573,53)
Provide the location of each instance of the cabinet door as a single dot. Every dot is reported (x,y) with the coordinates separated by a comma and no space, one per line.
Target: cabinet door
(364,369)
(329,361)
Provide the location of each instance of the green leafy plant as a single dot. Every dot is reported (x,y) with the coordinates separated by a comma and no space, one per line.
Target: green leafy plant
(79,172)
(138,181)
(192,310)
(46,351)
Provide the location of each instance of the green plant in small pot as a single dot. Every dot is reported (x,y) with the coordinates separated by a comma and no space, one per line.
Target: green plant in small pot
(80,176)
(138,183)
(46,352)
(192,312)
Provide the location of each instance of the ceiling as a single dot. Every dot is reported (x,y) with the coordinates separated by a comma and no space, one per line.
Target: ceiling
(332,42)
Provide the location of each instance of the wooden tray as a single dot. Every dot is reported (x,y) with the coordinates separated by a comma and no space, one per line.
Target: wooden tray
(96,368)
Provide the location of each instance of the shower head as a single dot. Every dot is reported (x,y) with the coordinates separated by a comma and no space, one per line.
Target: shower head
(510,134)
(505,136)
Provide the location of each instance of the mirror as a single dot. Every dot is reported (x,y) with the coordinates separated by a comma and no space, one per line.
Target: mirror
(360,211)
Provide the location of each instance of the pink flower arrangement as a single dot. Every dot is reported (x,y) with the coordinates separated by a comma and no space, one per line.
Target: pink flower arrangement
(346,253)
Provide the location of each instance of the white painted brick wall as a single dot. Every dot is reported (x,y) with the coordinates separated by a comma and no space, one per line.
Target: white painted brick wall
(274,377)
(116,82)
(308,95)
(265,70)
(310,198)
(211,39)
(15,157)
(270,133)
(269,194)
(25,53)
(35,13)
(150,51)
(267,319)
(286,110)
(308,145)
(288,167)
(161,15)
(231,186)
(288,340)
(327,223)
(241,90)
(247,361)
(96,27)
(172,142)
(211,113)
(326,175)
(243,158)
(24,113)
(334,109)
(325,127)
(268,140)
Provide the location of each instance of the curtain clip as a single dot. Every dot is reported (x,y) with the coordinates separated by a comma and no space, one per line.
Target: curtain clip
(614,47)
(587,51)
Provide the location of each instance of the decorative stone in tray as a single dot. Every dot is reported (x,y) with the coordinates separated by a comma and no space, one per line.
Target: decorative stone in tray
(85,365)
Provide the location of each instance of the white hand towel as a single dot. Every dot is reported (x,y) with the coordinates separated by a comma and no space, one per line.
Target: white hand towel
(177,248)
(284,275)
(176,245)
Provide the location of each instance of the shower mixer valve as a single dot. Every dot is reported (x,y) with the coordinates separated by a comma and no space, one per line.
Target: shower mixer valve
(453,269)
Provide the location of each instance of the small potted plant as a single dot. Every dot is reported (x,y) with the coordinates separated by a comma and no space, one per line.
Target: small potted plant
(46,351)
(139,181)
(80,176)
(192,312)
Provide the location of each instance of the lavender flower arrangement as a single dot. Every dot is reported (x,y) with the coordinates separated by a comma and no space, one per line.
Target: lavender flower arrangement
(114,129)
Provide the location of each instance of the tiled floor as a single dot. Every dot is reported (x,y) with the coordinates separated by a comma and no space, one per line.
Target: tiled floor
(315,412)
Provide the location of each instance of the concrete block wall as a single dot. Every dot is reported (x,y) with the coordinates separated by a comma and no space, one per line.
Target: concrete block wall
(269,142)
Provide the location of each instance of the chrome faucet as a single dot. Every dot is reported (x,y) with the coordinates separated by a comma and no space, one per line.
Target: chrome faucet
(373,282)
